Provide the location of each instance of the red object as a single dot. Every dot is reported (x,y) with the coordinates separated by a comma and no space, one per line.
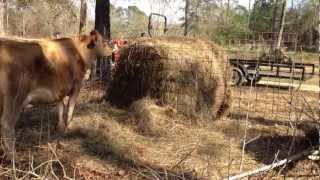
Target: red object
(118,44)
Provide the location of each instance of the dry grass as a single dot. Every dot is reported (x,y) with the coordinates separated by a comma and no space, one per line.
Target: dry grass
(151,141)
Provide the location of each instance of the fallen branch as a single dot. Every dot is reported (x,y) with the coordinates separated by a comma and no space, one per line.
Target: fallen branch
(273,165)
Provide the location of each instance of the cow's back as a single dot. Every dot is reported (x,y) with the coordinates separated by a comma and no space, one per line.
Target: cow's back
(19,53)
(28,68)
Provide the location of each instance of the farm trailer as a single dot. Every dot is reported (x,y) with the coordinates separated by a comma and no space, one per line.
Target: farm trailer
(252,70)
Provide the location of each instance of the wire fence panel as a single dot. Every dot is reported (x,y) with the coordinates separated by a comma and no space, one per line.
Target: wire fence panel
(174,107)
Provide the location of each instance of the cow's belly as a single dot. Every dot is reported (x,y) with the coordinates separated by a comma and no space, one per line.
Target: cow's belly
(41,96)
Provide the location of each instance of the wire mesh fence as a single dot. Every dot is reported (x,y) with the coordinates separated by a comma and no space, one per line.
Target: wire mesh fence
(269,118)
(169,109)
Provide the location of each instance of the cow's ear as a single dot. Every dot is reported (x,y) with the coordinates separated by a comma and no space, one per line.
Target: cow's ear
(91,44)
(83,38)
(94,34)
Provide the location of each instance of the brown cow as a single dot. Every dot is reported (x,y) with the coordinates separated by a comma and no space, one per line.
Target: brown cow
(43,72)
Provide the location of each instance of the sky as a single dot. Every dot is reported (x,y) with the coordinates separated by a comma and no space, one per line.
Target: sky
(173,12)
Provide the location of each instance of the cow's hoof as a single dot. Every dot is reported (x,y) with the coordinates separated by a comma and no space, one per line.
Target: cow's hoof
(61,130)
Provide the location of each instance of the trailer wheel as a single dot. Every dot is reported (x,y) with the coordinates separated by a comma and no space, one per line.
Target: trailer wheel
(253,75)
(237,76)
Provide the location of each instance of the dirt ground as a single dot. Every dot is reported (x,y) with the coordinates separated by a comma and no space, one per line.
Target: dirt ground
(147,141)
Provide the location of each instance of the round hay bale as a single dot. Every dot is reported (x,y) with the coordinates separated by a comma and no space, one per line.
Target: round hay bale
(190,75)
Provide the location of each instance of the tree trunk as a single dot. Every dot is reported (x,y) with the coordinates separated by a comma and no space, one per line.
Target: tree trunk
(102,22)
(283,17)
(2,16)
(319,26)
(227,12)
(186,17)
(23,23)
(274,22)
(5,17)
(274,15)
(83,16)
(102,25)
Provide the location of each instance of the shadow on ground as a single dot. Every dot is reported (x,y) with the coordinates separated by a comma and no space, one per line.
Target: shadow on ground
(37,127)
(110,153)
(273,148)
(258,119)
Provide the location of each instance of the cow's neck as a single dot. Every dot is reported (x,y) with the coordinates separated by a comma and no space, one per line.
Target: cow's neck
(86,57)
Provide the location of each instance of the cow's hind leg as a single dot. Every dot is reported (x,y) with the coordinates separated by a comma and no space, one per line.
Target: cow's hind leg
(66,110)
(10,114)
(12,101)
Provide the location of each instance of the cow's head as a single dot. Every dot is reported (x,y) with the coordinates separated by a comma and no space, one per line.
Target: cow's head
(99,44)
(94,45)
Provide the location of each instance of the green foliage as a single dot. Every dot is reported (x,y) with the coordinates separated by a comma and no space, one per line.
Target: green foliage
(221,22)
(217,21)
(303,20)
(261,16)
(127,22)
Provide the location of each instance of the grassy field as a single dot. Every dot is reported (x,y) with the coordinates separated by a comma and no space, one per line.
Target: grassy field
(147,141)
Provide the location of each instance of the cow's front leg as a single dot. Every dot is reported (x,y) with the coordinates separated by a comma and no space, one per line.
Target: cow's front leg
(62,106)
(72,104)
